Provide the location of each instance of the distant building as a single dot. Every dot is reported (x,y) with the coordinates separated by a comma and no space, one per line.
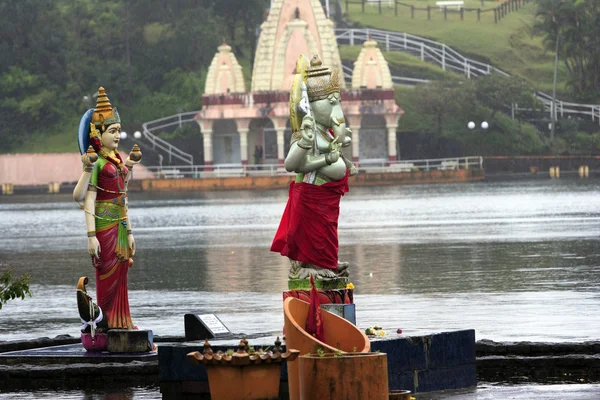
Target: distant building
(233,121)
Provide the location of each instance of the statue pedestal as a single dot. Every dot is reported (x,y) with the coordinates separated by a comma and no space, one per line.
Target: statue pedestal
(129,341)
(331,291)
(331,296)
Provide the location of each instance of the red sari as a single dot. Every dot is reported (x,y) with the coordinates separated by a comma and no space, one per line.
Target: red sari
(308,228)
(111,232)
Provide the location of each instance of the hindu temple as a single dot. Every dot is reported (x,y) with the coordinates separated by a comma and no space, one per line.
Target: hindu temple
(236,122)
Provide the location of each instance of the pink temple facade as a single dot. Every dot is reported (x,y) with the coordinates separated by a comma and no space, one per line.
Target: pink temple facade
(235,123)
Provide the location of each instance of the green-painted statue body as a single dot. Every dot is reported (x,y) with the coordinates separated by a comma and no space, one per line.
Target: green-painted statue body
(308,231)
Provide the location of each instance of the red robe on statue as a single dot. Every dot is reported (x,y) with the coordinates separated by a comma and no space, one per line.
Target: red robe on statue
(308,228)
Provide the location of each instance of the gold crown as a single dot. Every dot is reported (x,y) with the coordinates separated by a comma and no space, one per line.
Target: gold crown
(320,81)
(104,113)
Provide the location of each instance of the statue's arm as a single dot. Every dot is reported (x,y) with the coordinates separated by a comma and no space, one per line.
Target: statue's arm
(89,206)
(130,239)
(299,161)
(82,185)
(130,164)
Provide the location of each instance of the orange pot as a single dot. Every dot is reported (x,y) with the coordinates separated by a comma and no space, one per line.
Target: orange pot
(344,376)
(244,383)
(400,395)
(243,375)
(339,335)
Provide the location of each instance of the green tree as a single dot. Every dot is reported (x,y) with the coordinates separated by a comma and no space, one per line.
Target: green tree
(11,289)
(499,93)
(576,24)
(443,100)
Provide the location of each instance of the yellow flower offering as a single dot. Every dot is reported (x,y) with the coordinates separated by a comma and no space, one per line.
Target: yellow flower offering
(350,286)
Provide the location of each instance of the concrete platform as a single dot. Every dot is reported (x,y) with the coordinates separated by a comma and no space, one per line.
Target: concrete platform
(70,365)
(70,354)
(420,364)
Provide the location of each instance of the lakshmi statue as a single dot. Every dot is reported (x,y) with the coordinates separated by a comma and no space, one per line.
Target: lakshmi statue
(307,234)
(103,189)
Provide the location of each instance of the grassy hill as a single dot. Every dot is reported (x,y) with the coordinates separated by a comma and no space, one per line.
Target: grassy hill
(508,44)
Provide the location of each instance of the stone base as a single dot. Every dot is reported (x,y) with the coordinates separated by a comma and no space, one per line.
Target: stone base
(338,296)
(346,311)
(129,341)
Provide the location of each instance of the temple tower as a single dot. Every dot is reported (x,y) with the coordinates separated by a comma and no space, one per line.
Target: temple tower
(371,71)
(293,27)
(224,73)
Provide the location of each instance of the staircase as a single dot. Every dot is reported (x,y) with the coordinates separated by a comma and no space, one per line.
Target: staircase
(450,60)
(171,153)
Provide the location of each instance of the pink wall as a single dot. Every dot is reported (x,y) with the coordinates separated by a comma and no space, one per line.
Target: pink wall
(41,169)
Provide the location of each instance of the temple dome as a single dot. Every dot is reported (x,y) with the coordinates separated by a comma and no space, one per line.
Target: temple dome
(293,27)
(371,70)
(224,73)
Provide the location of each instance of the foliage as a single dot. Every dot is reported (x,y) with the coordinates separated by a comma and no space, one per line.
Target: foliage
(575,24)
(150,55)
(498,92)
(442,99)
(586,143)
(12,288)
(436,118)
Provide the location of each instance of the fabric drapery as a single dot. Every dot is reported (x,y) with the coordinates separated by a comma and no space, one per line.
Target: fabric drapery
(111,232)
(308,231)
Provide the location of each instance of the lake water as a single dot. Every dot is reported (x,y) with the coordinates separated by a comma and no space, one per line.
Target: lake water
(512,260)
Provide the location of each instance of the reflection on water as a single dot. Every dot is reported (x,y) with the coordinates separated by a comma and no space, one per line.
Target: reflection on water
(114,393)
(514,260)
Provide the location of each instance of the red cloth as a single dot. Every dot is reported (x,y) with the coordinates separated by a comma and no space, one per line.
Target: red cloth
(112,181)
(111,274)
(314,321)
(308,228)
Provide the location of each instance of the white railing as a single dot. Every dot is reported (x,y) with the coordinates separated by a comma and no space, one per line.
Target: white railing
(449,59)
(373,166)
(217,171)
(367,166)
(399,80)
(150,128)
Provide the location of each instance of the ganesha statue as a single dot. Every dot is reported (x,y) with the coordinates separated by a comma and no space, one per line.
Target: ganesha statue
(307,233)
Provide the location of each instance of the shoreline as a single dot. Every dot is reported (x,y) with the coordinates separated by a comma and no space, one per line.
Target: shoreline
(263,182)
(496,362)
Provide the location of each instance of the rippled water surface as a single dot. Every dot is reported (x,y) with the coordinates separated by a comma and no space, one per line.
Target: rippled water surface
(513,260)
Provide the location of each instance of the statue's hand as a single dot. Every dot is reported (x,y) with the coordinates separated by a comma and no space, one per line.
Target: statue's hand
(332,156)
(347,138)
(94,246)
(306,130)
(129,162)
(131,243)
(85,160)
